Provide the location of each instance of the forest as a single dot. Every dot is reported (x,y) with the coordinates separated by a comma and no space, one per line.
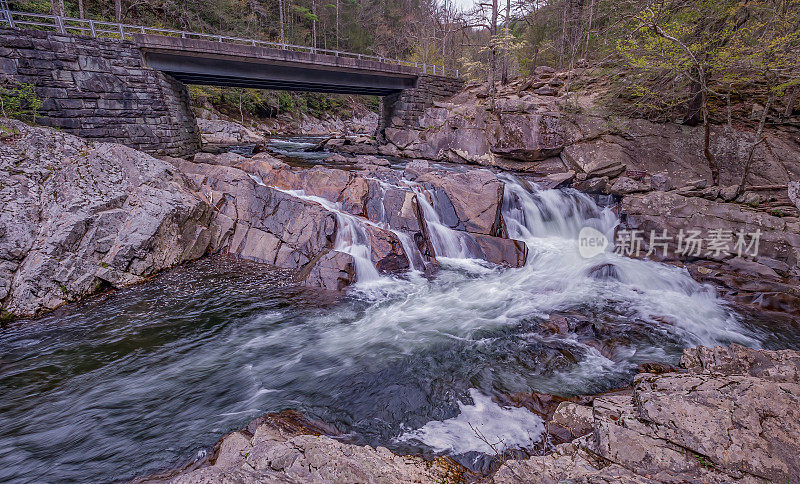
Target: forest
(666,60)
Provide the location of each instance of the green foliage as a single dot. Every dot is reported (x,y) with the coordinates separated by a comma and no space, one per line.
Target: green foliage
(19,101)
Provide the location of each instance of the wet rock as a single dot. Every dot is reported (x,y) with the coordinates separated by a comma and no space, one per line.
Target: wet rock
(604,272)
(504,252)
(78,216)
(625,186)
(332,270)
(476,197)
(732,416)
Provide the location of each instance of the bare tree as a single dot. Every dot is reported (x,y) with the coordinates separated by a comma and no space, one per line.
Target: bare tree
(280,16)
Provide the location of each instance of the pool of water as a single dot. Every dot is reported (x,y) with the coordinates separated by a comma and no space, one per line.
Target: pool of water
(147,377)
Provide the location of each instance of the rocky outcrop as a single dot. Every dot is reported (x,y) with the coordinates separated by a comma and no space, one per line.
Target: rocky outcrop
(732,415)
(77,217)
(288,448)
(778,249)
(541,131)
(217,133)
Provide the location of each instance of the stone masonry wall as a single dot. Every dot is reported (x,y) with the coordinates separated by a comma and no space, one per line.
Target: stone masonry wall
(402,110)
(101,89)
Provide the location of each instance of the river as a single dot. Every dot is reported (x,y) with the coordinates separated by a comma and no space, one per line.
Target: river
(149,377)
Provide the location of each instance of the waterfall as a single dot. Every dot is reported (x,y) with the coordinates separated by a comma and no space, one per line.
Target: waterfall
(446,241)
(351,236)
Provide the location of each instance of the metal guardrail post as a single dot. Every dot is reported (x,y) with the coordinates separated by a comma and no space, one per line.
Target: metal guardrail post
(8,16)
(92,29)
(121,32)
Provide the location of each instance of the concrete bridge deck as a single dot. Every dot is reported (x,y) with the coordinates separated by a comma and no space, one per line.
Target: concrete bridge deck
(206,62)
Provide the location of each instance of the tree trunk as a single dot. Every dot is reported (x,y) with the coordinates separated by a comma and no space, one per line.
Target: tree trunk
(280,19)
(694,110)
(712,161)
(80,9)
(118,10)
(589,29)
(314,25)
(506,34)
(749,161)
(492,54)
(790,100)
(337,24)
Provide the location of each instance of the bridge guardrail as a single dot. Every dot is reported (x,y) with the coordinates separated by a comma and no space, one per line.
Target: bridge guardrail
(115,30)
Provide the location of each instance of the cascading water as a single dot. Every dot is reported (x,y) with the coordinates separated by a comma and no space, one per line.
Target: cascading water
(161,370)
(351,237)
(549,222)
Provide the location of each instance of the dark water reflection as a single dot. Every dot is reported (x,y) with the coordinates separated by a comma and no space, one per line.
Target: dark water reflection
(147,377)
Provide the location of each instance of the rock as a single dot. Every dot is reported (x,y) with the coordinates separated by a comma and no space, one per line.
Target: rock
(578,419)
(793,190)
(332,270)
(557,180)
(476,197)
(527,137)
(598,158)
(710,193)
(218,132)
(504,252)
(625,186)
(779,238)
(732,416)
(749,198)
(661,182)
(337,158)
(593,185)
(698,183)
(728,193)
(77,217)
(371,160)
(546,91)
(275,452)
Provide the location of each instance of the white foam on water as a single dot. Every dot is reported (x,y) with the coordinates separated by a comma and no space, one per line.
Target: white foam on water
(483,426)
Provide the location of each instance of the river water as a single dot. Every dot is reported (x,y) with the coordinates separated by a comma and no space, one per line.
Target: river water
(151,376)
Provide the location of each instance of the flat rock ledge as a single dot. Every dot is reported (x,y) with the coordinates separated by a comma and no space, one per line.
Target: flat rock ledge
(286,447)
(730,415)
(727,415)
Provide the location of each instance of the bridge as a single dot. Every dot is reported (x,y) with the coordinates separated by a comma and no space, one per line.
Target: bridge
(171,58)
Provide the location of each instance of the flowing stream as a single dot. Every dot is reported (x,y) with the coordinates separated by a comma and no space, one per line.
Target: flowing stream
(150,376)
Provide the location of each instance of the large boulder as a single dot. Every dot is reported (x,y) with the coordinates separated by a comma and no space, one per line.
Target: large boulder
(526,137)
(77,217)
(475,198)
(218,132)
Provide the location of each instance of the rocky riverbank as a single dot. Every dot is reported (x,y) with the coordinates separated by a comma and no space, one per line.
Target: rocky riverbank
(727,415)
(80,217)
